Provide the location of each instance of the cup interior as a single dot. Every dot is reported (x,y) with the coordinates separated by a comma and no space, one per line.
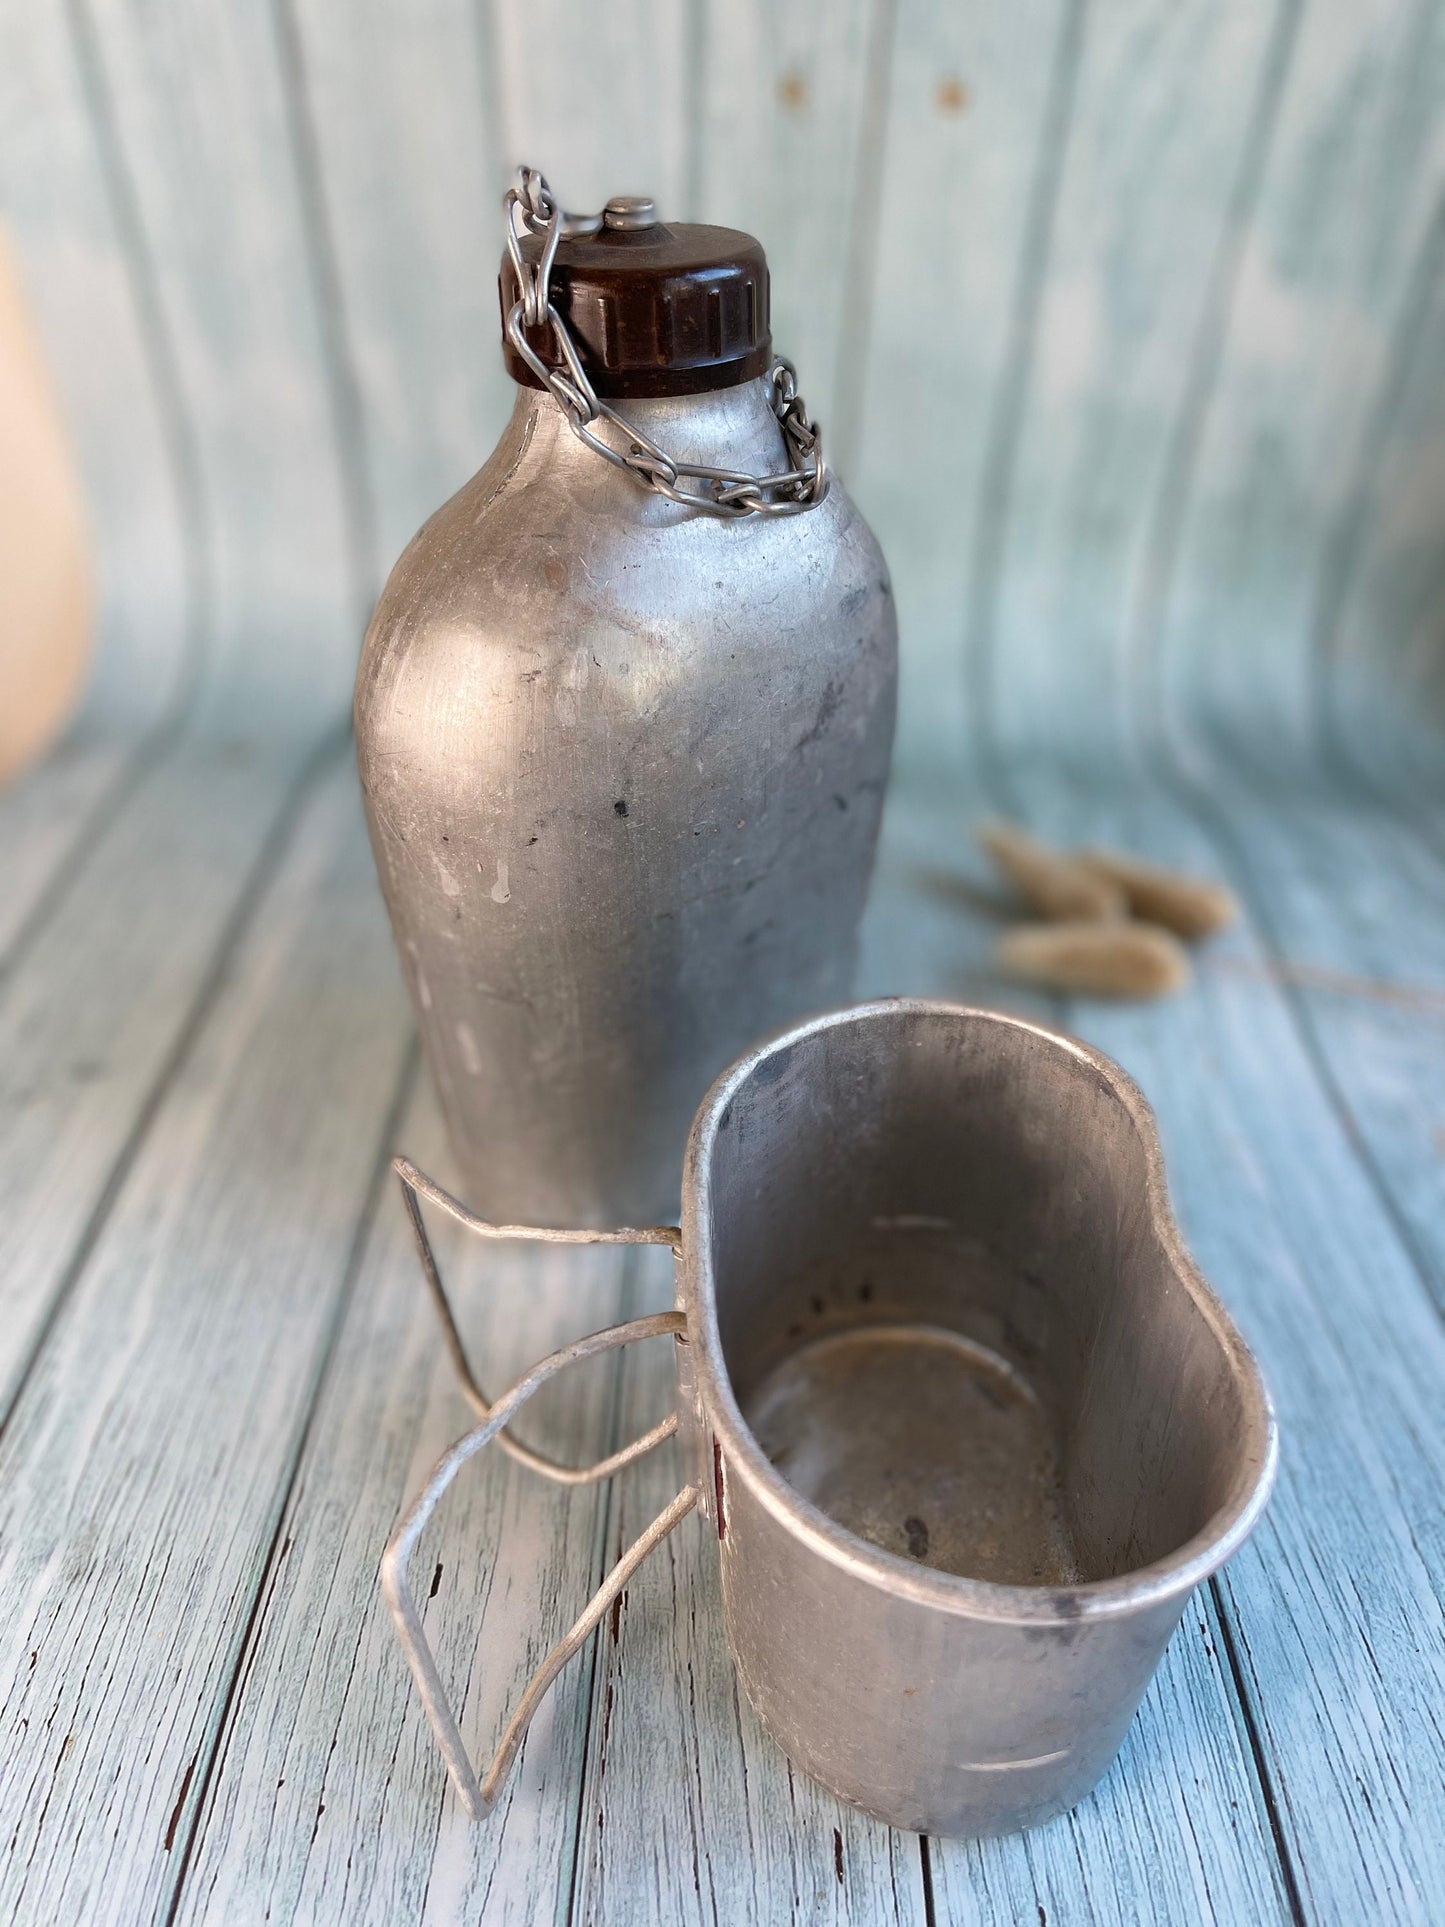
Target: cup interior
(952,1309)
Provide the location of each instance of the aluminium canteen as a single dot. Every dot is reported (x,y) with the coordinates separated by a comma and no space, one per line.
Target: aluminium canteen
(623,719)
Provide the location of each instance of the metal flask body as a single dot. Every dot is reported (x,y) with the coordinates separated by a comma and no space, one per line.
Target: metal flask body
(623,766)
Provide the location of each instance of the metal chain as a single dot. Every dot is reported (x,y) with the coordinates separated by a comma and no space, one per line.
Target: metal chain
(532,209)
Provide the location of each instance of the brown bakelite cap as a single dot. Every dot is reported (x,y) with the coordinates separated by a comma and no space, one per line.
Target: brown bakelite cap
(653,309)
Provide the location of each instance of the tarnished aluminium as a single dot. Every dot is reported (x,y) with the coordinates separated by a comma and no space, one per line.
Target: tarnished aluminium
(623,728)
(965,1420)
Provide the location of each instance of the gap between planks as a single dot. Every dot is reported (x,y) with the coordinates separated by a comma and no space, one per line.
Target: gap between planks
(206,1760)
(251,886)
(189,1337)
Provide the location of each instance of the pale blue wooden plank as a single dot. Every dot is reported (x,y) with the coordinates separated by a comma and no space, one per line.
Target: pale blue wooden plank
(597,97)
(410,178)
(1291,1228)
(934,911)
(1348,899)
(1162,142)
(974,102)
(1377,615)
(145,1466)
(1351,185)
(44,821)
(68,194)
(1177,1831)
(788,100)
(204,123)
(102,1000)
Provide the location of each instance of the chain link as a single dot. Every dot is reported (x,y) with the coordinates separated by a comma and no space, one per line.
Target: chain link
(532,209)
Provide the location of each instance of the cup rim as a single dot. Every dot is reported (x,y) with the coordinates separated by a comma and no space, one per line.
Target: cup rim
(1163,1580)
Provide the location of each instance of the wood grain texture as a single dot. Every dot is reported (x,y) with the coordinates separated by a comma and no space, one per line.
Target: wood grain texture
(44,823)
(790,113)
(1177,1830)
(145,1466)
(1281,1215)
(410,175)
(1376,617)
(978,106)
(1158,143)
(206,120)
(107,993)
(1349,184)
(328,1799)
(1294,1233)
(598,97)
(1347,898)
(1125,323)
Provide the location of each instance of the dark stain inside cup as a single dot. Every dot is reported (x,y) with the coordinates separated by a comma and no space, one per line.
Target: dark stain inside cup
(924,1442)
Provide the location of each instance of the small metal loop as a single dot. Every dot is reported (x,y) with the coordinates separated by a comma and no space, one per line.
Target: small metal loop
(542,285)
(524,347)
(514,238)
(796,427)
(653,466)
(653,471)
(742,493)
(574,396)
(532,208)
(534,201)
(533,191)
(591,406)
(573,404)
(519,224)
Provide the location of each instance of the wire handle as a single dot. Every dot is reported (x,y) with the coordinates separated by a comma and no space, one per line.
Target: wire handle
(480,1797)
(415,1183)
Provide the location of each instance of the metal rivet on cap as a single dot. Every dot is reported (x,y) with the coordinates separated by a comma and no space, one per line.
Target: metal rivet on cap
(629,211)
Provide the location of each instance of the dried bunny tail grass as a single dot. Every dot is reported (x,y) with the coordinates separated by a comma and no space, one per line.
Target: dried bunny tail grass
(1192,906)
(1095,959)
(1054,885)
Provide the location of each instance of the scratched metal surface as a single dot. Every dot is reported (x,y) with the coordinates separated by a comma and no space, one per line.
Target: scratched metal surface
(1171,577)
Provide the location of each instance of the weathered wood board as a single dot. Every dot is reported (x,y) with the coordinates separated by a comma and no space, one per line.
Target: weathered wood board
(1124,322)
(249,1328)
(146,1459)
